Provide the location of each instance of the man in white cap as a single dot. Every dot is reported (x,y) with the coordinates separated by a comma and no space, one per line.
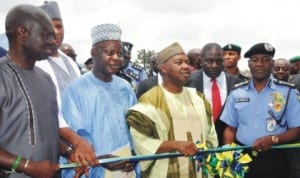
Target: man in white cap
(166,114)
(95,105)
(63,70)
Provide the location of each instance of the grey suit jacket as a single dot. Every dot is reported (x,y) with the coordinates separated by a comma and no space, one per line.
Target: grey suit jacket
(196,81)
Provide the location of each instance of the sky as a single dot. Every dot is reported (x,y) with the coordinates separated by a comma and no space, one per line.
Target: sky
(155,24)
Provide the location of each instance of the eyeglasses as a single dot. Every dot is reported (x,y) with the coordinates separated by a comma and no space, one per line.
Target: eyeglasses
(278,68)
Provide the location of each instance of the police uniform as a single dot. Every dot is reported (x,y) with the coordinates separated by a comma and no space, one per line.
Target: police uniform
(136,73)
(133,73)
(269,112)
(3,52)
(3,45)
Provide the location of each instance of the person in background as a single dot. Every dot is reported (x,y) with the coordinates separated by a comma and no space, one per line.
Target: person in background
(88,65)
(3,45)
(95,104)
(29,142)
(170,117)
(148,83)
(281,71)
(213,82)
(63,70)
(153,68)
(133,73)
(232,55)
(263,112)
(3,52)
(69,51)
(295,65)
(194,56)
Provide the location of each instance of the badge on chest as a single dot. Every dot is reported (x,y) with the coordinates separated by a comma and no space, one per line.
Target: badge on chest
(271,124)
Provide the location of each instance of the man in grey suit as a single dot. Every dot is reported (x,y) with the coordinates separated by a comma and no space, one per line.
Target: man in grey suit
(212,70)
(148,83)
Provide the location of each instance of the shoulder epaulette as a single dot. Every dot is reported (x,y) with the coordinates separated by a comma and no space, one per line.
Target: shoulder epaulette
(132,74)
(284,83)
(137,67)
(243,83)
(124,75)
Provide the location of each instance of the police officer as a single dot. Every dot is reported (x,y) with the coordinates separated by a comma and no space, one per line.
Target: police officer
(263,112)
(133,73)
(3,52)
(232,54)
(295,65)
(3,45)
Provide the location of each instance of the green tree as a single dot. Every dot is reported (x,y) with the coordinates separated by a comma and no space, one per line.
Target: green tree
(143,58)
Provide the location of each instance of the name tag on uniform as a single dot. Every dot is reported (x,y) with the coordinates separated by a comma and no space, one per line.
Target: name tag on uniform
(242,100)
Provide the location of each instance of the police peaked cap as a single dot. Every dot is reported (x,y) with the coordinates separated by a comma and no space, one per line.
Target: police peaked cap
(126,49)
(260,48)
(88,61)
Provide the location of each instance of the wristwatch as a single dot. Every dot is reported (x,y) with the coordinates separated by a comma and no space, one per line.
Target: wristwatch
(275,139)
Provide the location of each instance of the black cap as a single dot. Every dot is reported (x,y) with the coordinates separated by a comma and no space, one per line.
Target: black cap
(232,47)
(126,46)
(260,48)
(88,61)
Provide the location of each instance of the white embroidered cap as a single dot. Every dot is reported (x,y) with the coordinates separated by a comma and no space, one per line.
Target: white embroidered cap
(105,32)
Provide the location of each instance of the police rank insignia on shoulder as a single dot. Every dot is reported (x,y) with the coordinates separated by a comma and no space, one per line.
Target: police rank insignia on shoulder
(243,83)
(137,67)
(284,83)
(131,73)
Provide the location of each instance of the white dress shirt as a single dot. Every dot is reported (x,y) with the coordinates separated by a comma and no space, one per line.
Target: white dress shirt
(207,84)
